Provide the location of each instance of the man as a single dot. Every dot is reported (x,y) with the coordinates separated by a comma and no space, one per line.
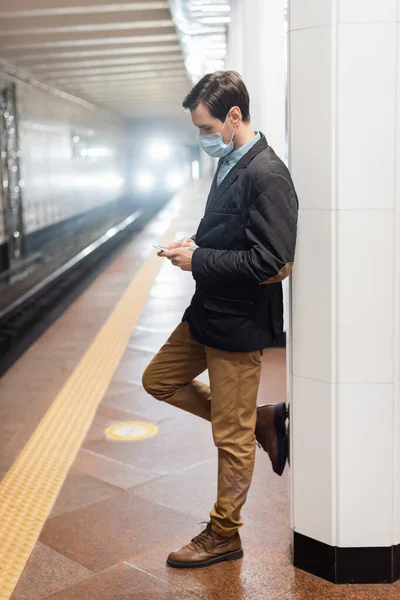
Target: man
(243,249)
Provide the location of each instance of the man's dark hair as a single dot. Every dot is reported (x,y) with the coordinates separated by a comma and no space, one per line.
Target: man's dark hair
(219,92)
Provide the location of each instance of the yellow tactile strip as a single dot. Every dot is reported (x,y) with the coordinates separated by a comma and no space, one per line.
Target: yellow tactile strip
(31,487)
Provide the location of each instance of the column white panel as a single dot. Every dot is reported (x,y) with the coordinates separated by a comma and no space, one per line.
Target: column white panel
(397,225)
(365,297)
(365,465)
(312,460)
(359,11)
(305,14)
(396,423)
(311,116)
(312,304)
(366,114)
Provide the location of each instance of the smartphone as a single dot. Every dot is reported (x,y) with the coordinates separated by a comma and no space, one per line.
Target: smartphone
(160,247)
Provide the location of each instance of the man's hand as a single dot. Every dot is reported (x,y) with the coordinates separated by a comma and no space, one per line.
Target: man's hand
(183,243)
(187,243)
(180,253)
(181,257)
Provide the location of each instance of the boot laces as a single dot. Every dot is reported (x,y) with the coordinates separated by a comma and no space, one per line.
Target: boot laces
(200,539)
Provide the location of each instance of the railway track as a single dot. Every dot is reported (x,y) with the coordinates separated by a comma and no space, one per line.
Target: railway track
(39,299)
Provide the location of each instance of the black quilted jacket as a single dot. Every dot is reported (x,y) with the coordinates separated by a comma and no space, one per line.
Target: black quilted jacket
(246,242)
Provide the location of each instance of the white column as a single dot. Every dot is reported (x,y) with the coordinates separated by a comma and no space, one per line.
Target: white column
(345,374)
(396,324)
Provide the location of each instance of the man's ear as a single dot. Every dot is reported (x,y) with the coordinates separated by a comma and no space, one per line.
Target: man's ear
(235,116)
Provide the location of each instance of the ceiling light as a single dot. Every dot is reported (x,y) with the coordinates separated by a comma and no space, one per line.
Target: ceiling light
(175,180)
(145,181)
(214,20)
(159,151)
(214,8)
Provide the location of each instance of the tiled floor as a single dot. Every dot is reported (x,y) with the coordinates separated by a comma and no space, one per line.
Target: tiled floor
(126,505)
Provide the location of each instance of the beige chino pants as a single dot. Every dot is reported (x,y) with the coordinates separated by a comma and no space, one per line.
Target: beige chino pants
(229,404)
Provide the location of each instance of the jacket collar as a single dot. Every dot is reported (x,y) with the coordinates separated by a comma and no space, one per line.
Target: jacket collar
(258,147)
(217,192)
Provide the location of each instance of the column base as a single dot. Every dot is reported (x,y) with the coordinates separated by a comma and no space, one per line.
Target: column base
(346,565)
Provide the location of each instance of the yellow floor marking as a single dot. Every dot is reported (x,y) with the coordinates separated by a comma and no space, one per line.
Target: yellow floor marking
(31,487)
(131,430)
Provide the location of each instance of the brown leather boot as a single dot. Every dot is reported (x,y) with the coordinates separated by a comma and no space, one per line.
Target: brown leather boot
(207,548)
(271,434)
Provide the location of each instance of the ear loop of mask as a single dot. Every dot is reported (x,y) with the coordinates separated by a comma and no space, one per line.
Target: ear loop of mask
(234,130)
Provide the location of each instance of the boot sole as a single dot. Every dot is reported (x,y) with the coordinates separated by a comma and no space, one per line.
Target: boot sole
(280,430)
(235,555)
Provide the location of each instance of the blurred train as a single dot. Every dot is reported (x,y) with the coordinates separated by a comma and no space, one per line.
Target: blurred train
(162,167)
(63,161)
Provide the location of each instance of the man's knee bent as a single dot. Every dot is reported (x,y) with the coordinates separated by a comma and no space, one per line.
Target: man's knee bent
(154,385)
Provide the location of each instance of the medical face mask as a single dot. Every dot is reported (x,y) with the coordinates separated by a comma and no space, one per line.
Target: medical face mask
(214,145)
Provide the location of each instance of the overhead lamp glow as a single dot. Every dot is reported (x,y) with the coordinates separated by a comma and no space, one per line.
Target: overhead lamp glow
(194,63)
(175,180)
(215,65)
(159,151)
(110,181)
(208,3)
(217,46)
(215,20)
(98,152)
(145,180)
(215,52)
(214,8)
(195,170)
